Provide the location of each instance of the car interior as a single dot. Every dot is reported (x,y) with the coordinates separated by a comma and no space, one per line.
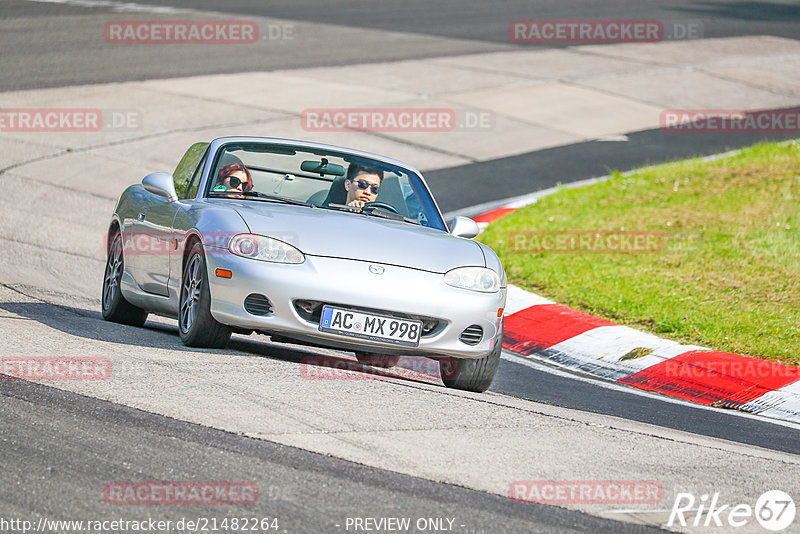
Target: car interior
(269,173)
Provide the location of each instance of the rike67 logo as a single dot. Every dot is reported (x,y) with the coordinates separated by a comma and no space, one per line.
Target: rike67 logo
(774,510)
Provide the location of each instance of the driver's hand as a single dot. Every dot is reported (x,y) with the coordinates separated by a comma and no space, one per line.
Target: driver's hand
(356,203)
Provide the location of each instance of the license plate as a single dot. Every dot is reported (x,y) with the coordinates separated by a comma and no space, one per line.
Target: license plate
(370,326)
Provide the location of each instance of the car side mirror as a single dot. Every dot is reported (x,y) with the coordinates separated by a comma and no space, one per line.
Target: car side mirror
(161,184)
(464,227)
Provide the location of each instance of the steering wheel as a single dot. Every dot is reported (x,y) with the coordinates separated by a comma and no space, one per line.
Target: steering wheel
(381,205)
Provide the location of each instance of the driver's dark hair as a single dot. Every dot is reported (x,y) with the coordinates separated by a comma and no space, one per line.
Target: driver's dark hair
(356,169)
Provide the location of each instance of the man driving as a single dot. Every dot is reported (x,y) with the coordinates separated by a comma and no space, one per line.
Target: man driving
(362,185)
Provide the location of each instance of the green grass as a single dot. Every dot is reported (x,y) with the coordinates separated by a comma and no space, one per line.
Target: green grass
(726,273)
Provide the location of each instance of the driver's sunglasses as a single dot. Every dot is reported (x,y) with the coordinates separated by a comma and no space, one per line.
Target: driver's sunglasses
(236,182)
(363,184)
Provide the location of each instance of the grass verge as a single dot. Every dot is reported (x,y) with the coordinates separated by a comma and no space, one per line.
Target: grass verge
(703,252)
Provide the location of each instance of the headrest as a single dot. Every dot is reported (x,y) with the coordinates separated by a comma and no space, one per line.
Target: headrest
(337,193)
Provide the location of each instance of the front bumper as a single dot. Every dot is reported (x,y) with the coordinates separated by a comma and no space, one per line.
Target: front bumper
(341,282)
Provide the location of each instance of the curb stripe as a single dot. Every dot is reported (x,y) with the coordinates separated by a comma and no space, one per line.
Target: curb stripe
(613,352)
(545,325)
(493,215)
(714,377)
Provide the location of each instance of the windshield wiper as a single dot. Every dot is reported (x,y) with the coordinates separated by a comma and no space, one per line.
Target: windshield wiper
(256,194)
(378,211)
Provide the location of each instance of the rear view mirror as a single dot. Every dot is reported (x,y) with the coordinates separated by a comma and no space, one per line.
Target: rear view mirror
(322,167)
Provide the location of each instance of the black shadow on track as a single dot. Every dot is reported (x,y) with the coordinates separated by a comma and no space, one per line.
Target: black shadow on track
(541,386)
(73,321)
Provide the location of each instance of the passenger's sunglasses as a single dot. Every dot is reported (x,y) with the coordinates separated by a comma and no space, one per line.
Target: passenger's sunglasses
(363,184)
(236,182)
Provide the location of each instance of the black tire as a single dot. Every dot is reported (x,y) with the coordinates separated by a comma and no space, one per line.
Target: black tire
(377,360)
(472,374)
(114,306)
(196,325)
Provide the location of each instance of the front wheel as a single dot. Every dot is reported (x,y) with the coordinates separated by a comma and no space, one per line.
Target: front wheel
(196,325)
(115,307)
(472,374)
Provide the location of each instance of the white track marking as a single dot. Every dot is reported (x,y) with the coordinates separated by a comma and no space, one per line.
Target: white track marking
(119,7)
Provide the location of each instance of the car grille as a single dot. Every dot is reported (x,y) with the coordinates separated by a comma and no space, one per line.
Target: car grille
(471,335)
(257,304)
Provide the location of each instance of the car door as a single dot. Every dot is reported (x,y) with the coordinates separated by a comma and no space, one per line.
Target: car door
(153,232)
(187,181)
(154,236)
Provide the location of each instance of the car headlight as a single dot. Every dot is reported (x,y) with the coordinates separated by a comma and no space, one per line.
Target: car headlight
(259,247)
(473,278)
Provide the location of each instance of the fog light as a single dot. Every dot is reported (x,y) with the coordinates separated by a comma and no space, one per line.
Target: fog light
(306,306)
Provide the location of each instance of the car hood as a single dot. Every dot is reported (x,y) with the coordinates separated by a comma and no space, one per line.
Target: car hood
(323,232)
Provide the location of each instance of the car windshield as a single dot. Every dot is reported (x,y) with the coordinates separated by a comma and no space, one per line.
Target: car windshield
(316,178)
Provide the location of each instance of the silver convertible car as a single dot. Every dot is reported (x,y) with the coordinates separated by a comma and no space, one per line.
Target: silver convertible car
(311,244)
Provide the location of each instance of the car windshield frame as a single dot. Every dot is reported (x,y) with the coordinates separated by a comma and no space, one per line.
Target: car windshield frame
(409,180)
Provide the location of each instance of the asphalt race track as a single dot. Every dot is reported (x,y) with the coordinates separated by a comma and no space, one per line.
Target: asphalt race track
(38,53)
(324,452)
(306,492)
